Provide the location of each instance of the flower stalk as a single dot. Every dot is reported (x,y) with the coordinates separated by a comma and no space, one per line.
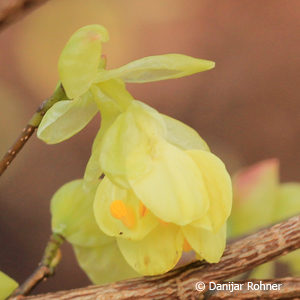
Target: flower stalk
(29,129)
(46,268)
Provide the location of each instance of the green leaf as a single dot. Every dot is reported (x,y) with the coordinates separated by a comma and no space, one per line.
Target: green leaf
(73,216)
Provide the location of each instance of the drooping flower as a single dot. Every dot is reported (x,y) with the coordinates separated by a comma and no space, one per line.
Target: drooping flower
(73,218)
(7,286)
(90,87)
(164,191)
(261,200)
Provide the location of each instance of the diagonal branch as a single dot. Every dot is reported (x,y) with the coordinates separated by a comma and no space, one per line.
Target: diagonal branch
(239,257)
(46,267)
(12,10)
(27,132)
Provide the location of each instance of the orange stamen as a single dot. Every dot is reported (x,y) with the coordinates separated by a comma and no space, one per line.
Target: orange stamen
(124,213)
(118,209)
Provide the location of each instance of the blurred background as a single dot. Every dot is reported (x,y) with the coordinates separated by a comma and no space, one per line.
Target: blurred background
(247,108)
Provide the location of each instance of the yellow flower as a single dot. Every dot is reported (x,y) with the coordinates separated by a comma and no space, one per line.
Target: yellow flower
(164,191)
(92,88)
(73,218)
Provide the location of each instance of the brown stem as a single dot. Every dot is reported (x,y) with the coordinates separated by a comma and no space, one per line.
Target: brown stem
(45,269)
(35,121)
(12,10)
(239,257)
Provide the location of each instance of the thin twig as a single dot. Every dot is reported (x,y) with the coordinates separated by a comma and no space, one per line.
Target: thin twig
(46,267)
(239,257)
(13,10)
(34,122)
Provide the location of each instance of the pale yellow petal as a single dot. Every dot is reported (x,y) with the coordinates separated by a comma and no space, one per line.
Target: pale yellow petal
(79,60)
(204,223)
(183,136)
(104,264)
(93,170)
(207,244)
(155,68)
(218,184)
(125,145)
(173,188)
(73,217)
(115,90)
(66,118)
(157,253)
(110,109)
(106,194)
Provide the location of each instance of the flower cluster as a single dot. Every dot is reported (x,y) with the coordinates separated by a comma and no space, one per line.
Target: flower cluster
(163,191)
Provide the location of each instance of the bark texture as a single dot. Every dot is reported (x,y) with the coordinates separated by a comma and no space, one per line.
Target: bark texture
(239,257)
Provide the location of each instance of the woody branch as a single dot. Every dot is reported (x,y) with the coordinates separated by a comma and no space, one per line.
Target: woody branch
(12,10)
(239,257)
